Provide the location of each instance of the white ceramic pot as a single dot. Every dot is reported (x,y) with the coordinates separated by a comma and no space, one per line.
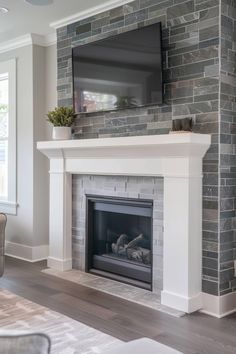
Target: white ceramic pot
(61,133)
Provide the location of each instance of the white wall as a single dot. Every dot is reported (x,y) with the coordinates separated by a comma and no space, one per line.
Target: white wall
(40,173)
(44,98)
(51,83)
(27,232)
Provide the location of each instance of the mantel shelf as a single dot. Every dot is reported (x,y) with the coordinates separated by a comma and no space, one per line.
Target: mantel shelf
(187,144)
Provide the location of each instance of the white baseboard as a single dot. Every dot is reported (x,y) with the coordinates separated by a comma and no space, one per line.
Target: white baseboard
(27,253)
(59,264)
(219,306)
(181,303)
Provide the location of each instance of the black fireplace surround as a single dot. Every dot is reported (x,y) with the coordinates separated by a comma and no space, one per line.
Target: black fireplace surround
(119,239)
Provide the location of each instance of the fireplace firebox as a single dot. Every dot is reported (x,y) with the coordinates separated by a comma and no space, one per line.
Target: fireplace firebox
(119,239)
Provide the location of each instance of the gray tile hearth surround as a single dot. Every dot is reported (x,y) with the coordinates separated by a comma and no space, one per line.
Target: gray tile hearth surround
(199,60)
(124,187)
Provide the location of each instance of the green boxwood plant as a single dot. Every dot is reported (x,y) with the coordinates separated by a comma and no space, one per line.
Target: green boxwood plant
(61,117)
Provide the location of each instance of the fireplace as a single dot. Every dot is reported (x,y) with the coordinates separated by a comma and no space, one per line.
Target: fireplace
(177,159)
(119,239)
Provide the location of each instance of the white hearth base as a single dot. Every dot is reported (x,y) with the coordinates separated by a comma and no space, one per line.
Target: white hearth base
(190,304)
(62,265)
(177,158)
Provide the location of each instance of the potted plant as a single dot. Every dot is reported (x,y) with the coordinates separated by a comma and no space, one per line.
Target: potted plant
(61,118)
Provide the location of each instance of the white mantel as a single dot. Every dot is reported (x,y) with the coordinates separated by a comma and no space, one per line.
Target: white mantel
(177,158)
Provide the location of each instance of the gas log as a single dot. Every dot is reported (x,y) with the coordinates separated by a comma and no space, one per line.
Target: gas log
(132,250)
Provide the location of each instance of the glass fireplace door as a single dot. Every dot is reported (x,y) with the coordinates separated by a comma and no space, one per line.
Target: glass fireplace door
(119,239)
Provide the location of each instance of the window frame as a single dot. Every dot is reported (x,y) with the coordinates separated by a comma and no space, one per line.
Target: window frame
(8,205)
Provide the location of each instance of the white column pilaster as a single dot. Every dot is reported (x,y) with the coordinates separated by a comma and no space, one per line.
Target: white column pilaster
(60,238)
(182,251)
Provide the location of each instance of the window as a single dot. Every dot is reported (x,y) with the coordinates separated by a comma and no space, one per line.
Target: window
(8,137)
(4,106)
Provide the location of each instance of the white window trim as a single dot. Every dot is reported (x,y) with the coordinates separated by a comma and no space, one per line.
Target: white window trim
(9,205)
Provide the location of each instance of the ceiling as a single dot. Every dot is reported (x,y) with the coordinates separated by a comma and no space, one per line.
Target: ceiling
(24,18)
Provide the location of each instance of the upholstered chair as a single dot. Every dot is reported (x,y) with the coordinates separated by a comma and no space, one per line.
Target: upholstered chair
(140,346)
(3,221)
(32,343)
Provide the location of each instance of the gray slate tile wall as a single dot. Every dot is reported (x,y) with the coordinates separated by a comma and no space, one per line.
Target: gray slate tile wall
(191,73)
(227,244)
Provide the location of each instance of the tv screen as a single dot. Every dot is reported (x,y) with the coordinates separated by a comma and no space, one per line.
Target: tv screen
(119,72)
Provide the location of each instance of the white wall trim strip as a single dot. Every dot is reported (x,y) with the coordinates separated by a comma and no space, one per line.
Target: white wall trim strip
(28,39)
(62,266)
(7,207)
(44,41)
(27,253)
(219,306)
(15,43)
(8,202)
(106,6)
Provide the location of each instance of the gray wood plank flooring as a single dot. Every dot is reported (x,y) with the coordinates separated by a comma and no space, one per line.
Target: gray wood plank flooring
(192,334)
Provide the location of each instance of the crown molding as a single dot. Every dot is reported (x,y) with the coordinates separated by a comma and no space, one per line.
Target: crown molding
(44,41)
(15,43)
(106,6)
(28,39)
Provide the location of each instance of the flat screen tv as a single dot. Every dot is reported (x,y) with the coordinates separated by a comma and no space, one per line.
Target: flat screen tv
(119,72)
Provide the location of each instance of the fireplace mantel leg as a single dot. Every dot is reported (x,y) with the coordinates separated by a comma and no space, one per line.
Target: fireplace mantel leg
(60,250)
(182,251)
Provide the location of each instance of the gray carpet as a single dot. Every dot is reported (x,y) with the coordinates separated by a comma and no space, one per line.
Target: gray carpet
(68,336)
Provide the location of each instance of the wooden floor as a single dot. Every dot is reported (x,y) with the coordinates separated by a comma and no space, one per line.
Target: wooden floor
(195,334)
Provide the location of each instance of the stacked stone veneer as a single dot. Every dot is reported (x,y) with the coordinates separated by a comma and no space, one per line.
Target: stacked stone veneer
(199,81)
(227,236)
(118,186)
